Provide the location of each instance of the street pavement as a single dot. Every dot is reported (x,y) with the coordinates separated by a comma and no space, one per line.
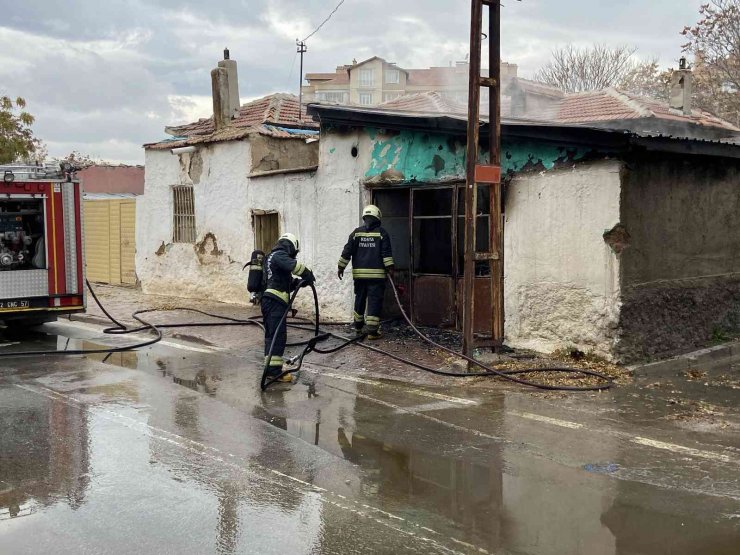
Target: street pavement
(173,449)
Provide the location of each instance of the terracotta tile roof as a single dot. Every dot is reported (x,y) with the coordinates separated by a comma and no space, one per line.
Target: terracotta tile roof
(280,109)
(436,103)
(233,133)
(275,115)
(611,104)
(536,87)
(595,106)
(427,102)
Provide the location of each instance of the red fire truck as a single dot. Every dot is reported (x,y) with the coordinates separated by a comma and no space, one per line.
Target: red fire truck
(41,254)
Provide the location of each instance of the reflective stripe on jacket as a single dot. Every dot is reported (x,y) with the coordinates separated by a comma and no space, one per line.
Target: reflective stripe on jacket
(369,250)
(280,268)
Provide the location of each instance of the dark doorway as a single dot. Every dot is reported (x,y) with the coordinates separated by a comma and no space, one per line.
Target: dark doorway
(426,224)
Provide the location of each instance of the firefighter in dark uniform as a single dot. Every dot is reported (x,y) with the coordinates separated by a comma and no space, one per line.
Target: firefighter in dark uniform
(280,266)
(369,250)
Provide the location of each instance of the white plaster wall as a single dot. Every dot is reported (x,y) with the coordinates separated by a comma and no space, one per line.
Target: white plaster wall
(215,270)
(322,209)
(561,278)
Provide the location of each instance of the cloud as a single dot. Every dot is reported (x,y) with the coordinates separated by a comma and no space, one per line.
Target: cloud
(105,78)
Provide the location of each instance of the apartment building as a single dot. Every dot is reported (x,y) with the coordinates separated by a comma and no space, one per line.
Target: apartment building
(375,80)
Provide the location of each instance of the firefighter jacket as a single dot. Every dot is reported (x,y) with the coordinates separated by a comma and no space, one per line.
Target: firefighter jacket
(369,250)
(279,270)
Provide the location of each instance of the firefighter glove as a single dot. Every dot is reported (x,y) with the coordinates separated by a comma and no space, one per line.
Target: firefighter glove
(340,273)
(307,276)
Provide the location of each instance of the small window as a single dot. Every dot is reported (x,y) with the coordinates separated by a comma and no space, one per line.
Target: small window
(391,95)
(392,76)
(184,214)
(332,96)
(266,230)
(366,98)
(367,78)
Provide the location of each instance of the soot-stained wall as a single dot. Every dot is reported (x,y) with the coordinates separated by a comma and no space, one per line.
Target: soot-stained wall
(681,266)
(413,156)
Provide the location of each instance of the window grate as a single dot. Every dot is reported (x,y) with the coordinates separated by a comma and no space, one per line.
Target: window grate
(183,225)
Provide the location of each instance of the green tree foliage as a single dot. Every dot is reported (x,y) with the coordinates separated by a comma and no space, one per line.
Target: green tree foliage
(16,137)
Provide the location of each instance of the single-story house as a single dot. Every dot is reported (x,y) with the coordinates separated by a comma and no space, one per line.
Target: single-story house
(621,242)
(211,187)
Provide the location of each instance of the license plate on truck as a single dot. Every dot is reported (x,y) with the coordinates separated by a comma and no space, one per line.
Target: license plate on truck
(15,304)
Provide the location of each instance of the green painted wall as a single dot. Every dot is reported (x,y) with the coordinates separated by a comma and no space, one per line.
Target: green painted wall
(409,156)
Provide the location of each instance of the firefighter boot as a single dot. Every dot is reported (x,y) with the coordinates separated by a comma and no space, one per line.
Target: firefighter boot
(373,332)
(276,369)
(287,378)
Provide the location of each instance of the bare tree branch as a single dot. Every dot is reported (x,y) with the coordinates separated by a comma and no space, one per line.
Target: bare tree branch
(587,69)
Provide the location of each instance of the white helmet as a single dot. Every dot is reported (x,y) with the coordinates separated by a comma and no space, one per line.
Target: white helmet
(372,210)
(293,240)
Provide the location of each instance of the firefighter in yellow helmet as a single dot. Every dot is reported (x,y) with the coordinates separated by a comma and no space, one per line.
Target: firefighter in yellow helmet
(279,268)
(369,250)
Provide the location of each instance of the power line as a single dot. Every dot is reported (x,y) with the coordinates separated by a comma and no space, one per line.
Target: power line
(325,21)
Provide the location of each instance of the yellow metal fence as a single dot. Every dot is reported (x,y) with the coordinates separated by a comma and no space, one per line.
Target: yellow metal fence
(110,240)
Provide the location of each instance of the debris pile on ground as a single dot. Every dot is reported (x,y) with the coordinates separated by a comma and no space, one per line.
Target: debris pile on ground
(398,333)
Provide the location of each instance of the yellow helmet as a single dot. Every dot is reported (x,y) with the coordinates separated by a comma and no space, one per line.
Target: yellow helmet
(372,210)
(292,239)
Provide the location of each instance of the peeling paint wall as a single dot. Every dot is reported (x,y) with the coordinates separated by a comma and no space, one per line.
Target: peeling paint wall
(270,154)
(212,267)
(322,208)
(412,156)
(561,277)
(327,212)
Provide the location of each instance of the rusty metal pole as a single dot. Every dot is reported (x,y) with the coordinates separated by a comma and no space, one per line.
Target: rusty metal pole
(495,222)
(476,24)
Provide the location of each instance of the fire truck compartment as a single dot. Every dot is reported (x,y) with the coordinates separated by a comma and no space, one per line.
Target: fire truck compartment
(22,242)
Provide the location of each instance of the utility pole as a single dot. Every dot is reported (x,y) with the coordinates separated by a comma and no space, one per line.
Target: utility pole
(488,174)
(301,48)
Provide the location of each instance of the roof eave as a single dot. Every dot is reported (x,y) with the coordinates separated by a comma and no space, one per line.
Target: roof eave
(612,139)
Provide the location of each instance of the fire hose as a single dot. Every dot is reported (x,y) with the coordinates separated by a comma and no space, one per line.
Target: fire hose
(311,345)
(510,375)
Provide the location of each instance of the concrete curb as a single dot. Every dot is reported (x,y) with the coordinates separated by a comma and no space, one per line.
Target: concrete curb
(688,360)
(91,319)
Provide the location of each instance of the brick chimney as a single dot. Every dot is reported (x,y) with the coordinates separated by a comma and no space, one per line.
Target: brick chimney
(682,87)
(225,89)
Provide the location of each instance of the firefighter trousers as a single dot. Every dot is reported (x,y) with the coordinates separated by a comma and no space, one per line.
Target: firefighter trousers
(272,313)
(369,295)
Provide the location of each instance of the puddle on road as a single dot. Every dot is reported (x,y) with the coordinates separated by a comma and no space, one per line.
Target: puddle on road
(62,463)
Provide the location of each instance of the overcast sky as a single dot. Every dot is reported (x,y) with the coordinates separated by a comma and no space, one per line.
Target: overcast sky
(105,76)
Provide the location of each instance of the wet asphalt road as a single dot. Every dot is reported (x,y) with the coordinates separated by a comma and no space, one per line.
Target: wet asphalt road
(174,450)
